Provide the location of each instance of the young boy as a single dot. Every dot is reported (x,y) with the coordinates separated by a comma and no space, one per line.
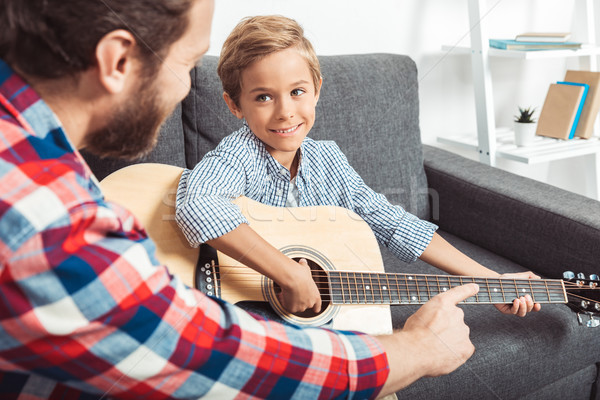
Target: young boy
(271,80)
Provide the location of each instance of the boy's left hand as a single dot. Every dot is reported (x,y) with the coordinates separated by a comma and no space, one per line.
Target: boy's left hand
(523,304)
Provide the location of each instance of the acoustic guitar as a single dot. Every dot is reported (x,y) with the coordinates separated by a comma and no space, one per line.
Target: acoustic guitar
(340,249)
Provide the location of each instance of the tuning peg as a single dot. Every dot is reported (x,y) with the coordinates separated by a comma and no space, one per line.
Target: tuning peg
(594,277)
(581,275)
(568,275)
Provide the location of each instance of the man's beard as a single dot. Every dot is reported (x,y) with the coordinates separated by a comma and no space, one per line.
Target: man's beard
(132,130)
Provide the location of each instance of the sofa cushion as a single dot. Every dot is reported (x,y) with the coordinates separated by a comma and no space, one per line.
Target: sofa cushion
(377,126)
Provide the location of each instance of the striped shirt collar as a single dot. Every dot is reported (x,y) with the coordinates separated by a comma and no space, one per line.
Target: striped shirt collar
(274,165)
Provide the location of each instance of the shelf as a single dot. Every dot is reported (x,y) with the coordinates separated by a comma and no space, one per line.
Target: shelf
(542,150)
(587,50)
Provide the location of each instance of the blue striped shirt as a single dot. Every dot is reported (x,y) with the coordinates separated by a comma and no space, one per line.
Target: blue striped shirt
(242,166)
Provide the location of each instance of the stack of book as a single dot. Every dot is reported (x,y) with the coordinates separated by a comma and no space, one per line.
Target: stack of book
(536,41)
(571,106)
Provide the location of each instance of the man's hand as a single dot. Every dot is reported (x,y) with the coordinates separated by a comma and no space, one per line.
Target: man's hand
(434,341)
(523,304)
(299,292)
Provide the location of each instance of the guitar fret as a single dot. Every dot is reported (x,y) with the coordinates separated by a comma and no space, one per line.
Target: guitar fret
(395,290)
(336,292)
(356,288)
(370,288)
(483,296)
(489,294)
(349,288)
(362,276)
(472,299)
(427,289)
(387,279)
(382,289)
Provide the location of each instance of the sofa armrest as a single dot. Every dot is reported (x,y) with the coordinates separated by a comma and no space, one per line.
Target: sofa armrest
(539,226)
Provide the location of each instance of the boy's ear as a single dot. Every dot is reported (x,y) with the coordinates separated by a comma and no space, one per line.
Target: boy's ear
(115,60)
(232,107)
(318,91)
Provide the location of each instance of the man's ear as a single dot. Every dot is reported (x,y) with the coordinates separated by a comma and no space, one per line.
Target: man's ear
(115,58)
(232,107)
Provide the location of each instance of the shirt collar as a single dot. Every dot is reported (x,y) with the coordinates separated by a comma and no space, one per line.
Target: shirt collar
(24,104)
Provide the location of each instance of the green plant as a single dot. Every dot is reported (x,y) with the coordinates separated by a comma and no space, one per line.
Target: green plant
(525,115)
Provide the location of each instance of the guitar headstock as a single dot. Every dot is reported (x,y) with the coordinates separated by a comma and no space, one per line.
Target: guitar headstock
(583,296)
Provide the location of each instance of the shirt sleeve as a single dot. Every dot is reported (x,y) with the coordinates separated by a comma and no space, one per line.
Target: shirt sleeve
(204,208)
(86,303)
(403,233)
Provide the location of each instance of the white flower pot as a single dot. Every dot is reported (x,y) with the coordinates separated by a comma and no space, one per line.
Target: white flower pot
(524,133)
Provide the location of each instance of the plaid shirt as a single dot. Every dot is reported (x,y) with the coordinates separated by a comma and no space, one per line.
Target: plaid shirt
(86,310)
(241,165)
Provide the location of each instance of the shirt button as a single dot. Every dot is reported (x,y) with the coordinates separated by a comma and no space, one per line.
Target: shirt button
(279,192)
(268,177)
(282,171)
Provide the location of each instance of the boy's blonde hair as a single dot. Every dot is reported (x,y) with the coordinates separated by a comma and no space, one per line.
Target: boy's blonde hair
(255,38)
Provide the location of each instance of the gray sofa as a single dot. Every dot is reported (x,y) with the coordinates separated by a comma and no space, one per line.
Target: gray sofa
(369,105)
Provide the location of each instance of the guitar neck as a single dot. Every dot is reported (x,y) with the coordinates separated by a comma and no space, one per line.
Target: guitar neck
(347,287)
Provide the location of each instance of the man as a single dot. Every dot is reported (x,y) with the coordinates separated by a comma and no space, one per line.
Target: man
(86,311)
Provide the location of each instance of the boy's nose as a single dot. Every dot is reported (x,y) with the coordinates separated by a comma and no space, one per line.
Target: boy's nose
(285,110)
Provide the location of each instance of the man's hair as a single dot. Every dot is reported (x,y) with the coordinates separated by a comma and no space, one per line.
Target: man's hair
(257,37)
(56,38)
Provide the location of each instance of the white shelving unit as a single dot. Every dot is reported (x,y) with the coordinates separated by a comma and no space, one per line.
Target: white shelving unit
(491,143)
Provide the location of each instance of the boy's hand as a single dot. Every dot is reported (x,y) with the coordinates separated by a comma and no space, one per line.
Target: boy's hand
(300,292)
(523,304)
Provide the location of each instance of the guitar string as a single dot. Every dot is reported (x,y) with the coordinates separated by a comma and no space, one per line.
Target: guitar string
(502,282)
(417,276)
(536,287)
(400,292)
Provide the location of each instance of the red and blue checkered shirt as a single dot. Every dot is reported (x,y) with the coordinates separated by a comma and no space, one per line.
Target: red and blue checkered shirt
(87,311)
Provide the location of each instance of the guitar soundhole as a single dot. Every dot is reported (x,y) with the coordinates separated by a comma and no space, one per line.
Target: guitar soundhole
(320,278)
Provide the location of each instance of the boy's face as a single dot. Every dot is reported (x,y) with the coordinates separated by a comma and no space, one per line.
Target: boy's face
(278,100)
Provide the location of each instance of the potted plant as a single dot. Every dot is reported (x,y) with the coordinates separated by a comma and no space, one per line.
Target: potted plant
(525,126)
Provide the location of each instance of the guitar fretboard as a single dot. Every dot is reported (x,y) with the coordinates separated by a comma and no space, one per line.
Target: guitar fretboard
(379,288)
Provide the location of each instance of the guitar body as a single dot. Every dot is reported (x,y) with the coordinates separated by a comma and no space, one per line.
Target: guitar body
(340,249)
(148,191)
(330,238)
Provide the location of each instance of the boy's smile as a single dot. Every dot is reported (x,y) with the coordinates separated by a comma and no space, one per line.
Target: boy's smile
(278,100)
(287,132)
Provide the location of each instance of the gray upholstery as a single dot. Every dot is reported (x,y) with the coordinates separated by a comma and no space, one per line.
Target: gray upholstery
(369,105)
(539,226)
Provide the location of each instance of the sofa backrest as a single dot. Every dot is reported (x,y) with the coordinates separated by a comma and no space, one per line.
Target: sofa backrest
(369,105)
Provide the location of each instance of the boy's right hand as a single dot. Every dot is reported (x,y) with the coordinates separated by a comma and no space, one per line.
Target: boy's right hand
(299,291)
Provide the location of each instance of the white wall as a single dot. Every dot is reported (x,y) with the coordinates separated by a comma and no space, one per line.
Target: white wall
(419,28)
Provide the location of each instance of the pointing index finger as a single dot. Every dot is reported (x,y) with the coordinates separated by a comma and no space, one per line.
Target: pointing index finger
(460,293)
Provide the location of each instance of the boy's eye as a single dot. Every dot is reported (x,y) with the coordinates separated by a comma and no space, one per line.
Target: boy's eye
(298,92)
(263,97)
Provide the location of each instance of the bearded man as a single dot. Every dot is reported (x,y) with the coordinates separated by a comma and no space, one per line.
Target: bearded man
(86,310)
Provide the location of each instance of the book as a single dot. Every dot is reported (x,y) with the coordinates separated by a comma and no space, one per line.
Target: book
(509,44)
(581,104)
(543,37)
(585,128)
(559,110)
